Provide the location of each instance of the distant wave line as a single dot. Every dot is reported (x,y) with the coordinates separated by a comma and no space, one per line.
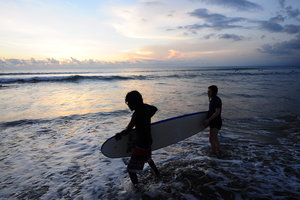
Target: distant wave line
(77,78)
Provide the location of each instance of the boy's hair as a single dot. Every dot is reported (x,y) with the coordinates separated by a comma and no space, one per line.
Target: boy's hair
(134,98)
(214,89)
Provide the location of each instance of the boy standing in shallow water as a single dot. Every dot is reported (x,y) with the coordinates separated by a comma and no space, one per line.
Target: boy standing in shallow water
(141,120)
(214,120)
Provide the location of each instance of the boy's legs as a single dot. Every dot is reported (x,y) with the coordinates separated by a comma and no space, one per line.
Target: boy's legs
(133,177)
(136,163)
(214,141)
(153,167)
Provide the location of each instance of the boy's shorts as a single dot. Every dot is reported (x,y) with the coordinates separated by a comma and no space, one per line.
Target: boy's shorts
(215,124)
(138,159)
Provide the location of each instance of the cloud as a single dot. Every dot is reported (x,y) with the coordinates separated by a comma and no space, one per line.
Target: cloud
(52,61)
(219,22)
(282,48)
(75,61)
(292,29)
(46,61)
(181,55)
(271,26)
(231,37)
(237,4)
(290,11)
(276,24)
(282,3)
(275,27)
(2,62)
(14,61)
(174,54)
(212,20)
(138,54)
(226,36)
(277,19)
(209,36)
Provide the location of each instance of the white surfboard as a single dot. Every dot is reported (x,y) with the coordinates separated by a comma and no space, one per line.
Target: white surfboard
(164,133)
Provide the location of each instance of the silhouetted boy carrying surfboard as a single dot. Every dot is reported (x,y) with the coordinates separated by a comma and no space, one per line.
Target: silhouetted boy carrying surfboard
(141,150)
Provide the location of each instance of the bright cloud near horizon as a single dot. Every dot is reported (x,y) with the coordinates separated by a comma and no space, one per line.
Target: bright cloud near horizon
(190,32)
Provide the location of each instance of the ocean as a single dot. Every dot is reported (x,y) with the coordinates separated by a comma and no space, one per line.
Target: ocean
(52,126)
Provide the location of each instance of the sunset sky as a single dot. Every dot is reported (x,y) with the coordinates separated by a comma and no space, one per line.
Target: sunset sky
(190,32)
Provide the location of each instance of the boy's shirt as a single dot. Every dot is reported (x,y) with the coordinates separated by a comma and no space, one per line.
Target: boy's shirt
(142,121)
(215,103)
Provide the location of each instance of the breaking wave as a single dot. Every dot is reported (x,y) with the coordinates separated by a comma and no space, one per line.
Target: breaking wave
(71,78)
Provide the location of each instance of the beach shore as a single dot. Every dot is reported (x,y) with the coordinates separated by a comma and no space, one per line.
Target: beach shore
(248,169)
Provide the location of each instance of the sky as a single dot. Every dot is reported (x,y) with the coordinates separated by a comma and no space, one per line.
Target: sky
(166,32)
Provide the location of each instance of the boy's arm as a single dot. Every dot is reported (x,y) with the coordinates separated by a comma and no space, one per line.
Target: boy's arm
(127,129)
(152,109)
(130,125)
(216,113)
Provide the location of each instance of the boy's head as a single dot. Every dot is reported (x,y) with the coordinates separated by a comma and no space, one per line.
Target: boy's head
(212,91)
(133,99)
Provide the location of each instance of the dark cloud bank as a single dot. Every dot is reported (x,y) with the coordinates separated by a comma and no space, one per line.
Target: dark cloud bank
(237,4)
(275,24)
(289,47)
(212,20)
(227,36)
